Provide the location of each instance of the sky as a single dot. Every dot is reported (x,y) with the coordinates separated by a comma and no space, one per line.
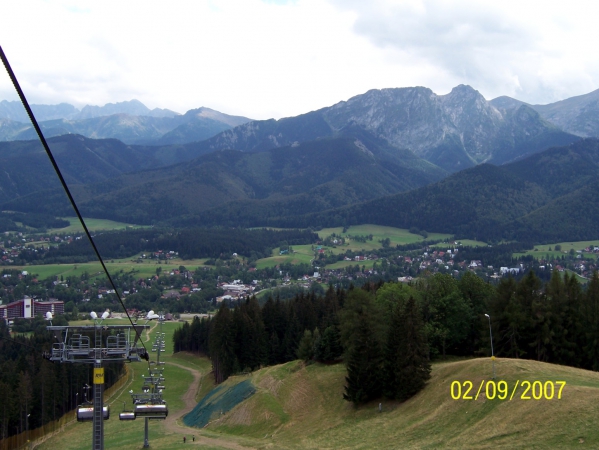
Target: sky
(276,58)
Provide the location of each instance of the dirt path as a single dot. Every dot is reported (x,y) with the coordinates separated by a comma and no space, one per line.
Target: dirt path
(149,330)
(173,424)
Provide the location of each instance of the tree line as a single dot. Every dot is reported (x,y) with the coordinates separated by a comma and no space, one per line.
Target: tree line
(388,333)
(189,243)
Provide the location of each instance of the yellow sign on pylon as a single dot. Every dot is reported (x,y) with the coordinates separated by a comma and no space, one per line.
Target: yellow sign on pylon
(99,375)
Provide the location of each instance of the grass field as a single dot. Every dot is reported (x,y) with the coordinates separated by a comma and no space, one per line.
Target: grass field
(305,254)
(142,270)
(396,235)
(541,251)
(301,254)
(93,225)
(464,242)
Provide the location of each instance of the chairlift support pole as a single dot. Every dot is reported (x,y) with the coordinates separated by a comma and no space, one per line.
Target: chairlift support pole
(73,346)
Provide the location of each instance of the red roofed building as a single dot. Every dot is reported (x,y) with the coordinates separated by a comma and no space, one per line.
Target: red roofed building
(27,308)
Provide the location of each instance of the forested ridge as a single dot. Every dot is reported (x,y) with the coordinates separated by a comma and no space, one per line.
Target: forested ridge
(348,180)
(492,203)
(306,177)
(556,322)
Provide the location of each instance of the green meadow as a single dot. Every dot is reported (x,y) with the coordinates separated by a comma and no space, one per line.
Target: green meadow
(300,254)
(305,253)
(542,251)
(93,225)
(143,269)
(397,236)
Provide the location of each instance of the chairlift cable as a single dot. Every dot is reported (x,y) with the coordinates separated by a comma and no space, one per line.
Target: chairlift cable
(38,130)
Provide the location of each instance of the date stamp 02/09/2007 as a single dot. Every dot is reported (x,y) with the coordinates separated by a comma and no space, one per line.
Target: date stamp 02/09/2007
(502,390)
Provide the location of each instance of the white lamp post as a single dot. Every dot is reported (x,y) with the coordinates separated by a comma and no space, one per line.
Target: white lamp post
(492,354)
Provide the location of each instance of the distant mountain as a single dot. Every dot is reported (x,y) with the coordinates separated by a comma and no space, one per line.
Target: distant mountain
(26,168)
(546,197)
(131,122)
(576,115)
(306,177)
(10,128)
(200,124)
(131,107)
(126,128)
(15,111)
(453,131)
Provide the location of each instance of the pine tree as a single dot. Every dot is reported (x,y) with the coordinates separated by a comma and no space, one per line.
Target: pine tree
(363,380)
(328,347)
(407,367)
(222,345)
(591,324)
(305,350)
(565,325)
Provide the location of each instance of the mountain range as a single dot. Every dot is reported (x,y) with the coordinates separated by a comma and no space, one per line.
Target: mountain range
(131,122)
(453,131)
(406,157)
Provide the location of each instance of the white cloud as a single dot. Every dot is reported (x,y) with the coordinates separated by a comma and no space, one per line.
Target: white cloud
(537,51)
(278,58)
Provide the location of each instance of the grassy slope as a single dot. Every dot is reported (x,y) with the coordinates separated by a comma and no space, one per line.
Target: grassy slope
(301,254)
(92,225)
(299,407)
(302,407)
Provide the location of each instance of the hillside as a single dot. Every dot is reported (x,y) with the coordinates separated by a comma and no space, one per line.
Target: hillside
(491,202)
(81,160)
(348,180)
(302,407)
(302,178)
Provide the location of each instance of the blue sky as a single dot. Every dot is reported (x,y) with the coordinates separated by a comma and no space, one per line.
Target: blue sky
(276,58)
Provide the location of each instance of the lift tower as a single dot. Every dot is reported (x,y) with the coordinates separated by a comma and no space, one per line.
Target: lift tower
(111,343)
